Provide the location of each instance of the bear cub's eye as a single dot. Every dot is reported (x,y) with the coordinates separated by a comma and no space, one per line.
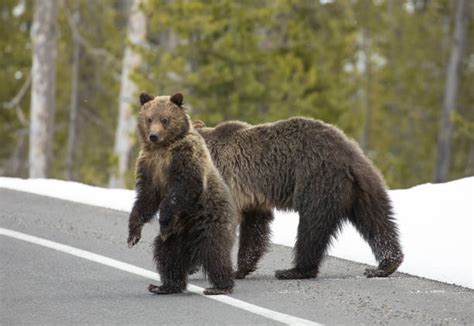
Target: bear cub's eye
(164,120)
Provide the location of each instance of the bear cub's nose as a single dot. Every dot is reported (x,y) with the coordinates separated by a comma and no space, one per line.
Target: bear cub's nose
(154,137)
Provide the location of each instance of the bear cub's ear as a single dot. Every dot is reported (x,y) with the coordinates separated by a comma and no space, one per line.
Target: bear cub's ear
(177,99)
(145,97)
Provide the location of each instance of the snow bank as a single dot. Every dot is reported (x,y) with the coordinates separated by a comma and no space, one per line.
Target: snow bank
(436,223)
(119,199)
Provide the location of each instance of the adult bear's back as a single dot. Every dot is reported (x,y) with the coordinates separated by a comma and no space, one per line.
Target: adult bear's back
(262,163)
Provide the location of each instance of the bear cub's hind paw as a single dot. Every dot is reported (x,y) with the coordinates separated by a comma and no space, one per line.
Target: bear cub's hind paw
(162,289)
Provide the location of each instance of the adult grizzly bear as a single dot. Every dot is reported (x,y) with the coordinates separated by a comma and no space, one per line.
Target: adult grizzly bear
(176,176)
(311,167)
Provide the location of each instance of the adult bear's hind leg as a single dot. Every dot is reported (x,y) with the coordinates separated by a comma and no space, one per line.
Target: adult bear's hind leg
(311,246)
(321,214)
(372,216)
(253,240)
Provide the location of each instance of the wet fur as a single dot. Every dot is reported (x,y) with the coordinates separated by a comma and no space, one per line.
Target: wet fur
(313,168)
(176,177)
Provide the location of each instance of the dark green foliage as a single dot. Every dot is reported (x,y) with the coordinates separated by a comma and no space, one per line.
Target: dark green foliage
(15,60)
(257,61)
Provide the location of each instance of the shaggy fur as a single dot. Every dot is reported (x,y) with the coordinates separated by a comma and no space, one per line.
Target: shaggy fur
(176,176)
(311,167)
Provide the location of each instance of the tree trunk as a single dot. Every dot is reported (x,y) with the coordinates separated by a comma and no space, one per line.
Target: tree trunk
(125,133)
(450,91)
(16,163)
(43,87)
(469,170)
(72,136)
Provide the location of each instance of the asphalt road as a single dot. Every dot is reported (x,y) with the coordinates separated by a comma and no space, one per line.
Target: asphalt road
(42,286)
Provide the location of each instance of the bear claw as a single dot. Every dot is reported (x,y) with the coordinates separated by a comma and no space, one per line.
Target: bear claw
(162,289)
(293,274)
(133,240)
(376,272)
(217,291)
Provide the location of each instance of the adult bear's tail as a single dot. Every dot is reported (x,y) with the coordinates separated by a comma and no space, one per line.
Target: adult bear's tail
(372,216)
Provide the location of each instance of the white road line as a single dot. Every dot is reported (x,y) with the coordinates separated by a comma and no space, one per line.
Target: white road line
(267,313)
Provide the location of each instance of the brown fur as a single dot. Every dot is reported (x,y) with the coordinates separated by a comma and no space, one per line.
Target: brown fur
(176,176)
(311,167)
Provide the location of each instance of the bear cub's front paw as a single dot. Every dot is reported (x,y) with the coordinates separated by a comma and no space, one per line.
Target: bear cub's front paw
(134,235)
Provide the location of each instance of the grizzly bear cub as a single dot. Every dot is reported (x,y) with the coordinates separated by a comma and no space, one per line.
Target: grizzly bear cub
(311,167)
(176,176)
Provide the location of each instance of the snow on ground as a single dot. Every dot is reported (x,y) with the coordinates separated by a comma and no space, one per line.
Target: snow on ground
(119,199)
(436,224)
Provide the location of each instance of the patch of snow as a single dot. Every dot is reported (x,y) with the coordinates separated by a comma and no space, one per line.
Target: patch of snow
(436,223)
(119,199)
(19,9)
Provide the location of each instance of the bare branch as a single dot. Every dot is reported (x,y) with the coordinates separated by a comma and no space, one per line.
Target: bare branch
(15,102)
(97,120)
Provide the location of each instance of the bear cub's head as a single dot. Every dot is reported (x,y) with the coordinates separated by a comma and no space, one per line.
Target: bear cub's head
(162,119)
